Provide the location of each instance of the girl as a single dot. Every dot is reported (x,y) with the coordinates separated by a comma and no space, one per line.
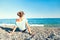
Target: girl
(22,23)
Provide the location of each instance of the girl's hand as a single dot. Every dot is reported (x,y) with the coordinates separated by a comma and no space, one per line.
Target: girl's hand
(11,33)
(30,33)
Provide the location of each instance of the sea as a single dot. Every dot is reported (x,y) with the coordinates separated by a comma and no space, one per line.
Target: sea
(45,21)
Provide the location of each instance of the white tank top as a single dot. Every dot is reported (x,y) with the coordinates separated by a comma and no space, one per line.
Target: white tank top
(21,25)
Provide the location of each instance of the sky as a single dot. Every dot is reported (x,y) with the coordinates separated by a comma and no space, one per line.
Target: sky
(31,8)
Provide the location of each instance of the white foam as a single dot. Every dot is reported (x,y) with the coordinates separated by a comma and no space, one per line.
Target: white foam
(5,25)
(36,25)
(15,25)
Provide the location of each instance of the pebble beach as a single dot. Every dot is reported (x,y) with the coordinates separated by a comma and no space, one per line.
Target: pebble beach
(41,33)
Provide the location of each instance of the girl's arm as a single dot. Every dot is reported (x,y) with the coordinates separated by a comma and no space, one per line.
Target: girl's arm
(28,27)
(14,29)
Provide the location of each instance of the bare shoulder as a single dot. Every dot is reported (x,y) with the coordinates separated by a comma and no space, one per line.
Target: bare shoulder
(17,19)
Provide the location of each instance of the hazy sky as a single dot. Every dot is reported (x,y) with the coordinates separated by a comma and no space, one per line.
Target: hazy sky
(32,8)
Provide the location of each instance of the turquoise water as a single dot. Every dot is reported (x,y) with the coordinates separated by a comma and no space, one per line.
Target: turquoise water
(34,21)
(45,21)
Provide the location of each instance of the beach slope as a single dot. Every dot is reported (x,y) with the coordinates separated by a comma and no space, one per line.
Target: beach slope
(41,33)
